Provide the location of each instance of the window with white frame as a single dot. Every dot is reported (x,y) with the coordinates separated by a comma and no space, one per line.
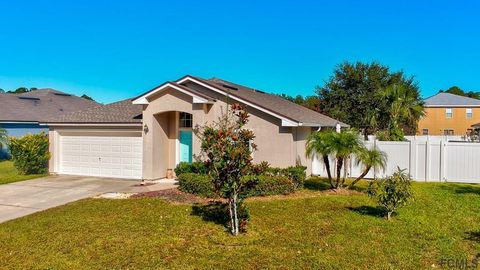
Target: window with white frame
(186,120)
(449,112)
(469,113)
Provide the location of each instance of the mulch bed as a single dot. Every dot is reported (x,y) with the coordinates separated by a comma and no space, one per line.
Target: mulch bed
(173,195)
(176,196)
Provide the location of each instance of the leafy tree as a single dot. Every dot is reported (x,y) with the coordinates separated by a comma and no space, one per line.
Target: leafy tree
(21,90)
(2,91)
(87,97)
(227,147)
(354,95)
(310,102)
(369,158)
(458,91)
(392,192)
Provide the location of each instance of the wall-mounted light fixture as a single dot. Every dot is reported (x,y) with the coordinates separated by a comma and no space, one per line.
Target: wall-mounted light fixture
(145,128)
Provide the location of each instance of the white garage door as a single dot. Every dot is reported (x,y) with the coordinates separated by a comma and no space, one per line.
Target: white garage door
(119,157)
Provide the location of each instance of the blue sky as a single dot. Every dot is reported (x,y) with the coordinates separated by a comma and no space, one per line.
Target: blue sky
(113,50)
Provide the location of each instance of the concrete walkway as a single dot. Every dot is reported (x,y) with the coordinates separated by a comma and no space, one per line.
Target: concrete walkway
(26,197)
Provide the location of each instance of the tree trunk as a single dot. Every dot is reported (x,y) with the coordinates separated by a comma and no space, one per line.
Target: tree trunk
(326,161)
(232,222)
(235,212)
(345,170)
(389,215)
(367,169)
(339,171)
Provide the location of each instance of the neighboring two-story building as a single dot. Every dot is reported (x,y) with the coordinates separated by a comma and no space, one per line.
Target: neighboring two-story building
(449,114)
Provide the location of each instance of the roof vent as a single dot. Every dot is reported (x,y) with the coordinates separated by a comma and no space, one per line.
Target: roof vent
(29,98)
(63,94)
(229,87)
(259,91)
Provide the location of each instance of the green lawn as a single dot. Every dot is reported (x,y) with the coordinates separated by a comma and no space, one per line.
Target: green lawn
(311,229)
(8,173)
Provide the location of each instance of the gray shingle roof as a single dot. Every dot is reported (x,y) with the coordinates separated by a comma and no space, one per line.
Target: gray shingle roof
(40,105)
(126,112)
(274,103)
(447,99)
(118,112)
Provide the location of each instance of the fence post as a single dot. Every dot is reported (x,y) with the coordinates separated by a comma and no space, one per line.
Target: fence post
(443,153)
(427,160)
(413,161)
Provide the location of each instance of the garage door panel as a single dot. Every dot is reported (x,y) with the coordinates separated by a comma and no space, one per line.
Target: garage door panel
(101,156)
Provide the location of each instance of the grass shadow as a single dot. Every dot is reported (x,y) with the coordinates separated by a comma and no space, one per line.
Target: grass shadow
(215,212)
(317,183)
(472,236)
(365,210)
(321,184)
(462,188)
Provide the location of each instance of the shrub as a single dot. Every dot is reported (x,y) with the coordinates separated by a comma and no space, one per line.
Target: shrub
(261,168)
(265,185)
(194,167)
(392,192)
(199,184)
(30,153)
(297,174)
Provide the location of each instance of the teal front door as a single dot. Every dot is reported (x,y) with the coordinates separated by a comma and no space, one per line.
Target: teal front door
(185,146)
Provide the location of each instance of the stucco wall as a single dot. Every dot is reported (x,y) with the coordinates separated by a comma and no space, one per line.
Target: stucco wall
(436,121)
(280,146)
(160,143)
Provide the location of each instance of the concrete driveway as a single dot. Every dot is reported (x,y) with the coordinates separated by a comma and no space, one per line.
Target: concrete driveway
(26,197)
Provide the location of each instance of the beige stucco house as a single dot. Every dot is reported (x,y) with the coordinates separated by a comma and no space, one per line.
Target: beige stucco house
(145,136)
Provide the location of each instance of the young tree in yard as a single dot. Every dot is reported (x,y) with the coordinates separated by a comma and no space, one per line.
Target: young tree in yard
(369,158)
(392,192)
(319,143)
(227,147)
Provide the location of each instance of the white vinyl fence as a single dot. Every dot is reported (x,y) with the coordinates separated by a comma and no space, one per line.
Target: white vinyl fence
(424,160)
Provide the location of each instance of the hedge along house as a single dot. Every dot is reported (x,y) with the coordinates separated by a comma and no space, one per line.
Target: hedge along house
(20,114)
(152,133)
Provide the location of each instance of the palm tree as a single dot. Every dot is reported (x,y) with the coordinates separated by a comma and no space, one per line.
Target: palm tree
(344,144)
(319,143)
(406,108)
(369,158)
